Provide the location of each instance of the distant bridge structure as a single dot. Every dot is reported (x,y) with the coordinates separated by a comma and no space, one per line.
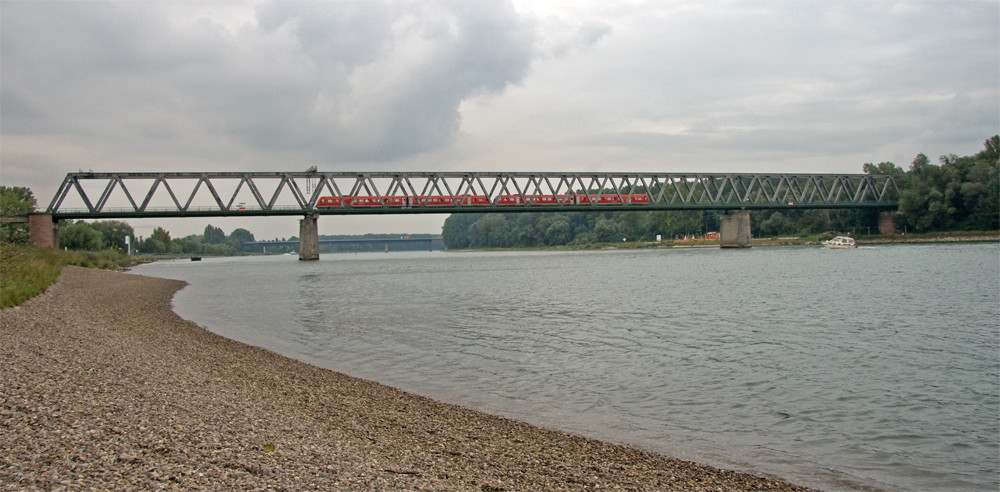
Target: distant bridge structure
(386,241)
(122,195)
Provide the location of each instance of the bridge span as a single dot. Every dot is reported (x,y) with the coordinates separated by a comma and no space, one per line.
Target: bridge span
(123,195)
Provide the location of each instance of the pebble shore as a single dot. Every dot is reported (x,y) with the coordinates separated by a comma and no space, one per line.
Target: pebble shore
(104,387)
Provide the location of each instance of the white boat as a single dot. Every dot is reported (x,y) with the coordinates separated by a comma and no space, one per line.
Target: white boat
(840,242)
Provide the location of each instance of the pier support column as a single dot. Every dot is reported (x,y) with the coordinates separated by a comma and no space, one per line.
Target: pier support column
(887,222)
(734,230)
(309,238)
(43,231)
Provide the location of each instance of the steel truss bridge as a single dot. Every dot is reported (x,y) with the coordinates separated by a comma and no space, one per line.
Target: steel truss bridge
(141,195)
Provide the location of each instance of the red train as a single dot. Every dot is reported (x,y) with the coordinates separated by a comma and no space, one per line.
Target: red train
(640,198)
(401,201)
(444,200)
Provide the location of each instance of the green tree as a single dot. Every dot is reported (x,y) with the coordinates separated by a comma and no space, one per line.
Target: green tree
(150,245)
(673,223)
(214,235)
(15,200)
(775,225)
(187,245)
(114,232)
(961,193)
(886,168)
(161,236)
(455,230)
(218,249)
(920,203)
(492,230)
(80,235)
(238,239)
(558,232)
(991,152)
(607,230)
(973,188)
(984,188)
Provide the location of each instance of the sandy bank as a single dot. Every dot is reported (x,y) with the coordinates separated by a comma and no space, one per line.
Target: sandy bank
(103,386)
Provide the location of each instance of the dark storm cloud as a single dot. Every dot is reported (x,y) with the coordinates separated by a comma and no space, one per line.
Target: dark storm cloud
(342,80)
(400,72)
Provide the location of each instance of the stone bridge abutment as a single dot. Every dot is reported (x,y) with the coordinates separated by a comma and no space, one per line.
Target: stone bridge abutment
(43,230)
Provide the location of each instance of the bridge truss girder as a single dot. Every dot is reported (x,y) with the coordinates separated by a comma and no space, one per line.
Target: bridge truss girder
(138,195)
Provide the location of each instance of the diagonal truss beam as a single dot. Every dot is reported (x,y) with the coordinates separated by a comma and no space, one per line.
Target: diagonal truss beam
(124,195)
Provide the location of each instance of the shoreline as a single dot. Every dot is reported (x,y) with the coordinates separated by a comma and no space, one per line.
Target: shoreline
(912,238)
(104,386)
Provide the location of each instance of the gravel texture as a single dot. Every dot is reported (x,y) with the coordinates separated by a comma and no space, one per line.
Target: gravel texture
(104,387)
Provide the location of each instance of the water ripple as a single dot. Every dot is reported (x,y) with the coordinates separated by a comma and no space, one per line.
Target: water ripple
(876,369)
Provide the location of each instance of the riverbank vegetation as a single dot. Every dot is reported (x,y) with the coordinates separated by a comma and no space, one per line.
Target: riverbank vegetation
(95,236)
(26,271)
(959,194)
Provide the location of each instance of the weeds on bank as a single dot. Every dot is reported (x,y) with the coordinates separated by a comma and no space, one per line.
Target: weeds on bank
(26,271)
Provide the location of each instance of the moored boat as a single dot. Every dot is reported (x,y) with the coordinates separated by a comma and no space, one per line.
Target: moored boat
(840,242)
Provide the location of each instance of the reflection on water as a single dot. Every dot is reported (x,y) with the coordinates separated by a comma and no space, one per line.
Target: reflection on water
(844,370)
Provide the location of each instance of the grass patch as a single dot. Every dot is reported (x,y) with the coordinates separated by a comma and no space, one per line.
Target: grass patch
(26,271)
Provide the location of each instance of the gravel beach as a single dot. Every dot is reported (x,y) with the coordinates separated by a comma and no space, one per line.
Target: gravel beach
(104,387)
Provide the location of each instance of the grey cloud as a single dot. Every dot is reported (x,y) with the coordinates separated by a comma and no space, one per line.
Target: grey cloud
(347,81)
(392,76)
(442,55)
(347,33)
(819,75)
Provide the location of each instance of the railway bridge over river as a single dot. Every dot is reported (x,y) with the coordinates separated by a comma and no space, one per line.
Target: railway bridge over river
(311,194)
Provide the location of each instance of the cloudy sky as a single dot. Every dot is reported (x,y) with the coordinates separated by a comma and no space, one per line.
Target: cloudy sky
(487,85)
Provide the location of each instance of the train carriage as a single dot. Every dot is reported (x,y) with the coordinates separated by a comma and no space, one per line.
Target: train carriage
(401,201)
(404,201)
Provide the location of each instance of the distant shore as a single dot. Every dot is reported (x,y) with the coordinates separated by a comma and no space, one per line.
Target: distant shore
(104,387)
(918,238)
(989,236)
(887,239)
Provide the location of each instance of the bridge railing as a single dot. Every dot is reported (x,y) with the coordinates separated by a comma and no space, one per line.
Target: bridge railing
(109,195)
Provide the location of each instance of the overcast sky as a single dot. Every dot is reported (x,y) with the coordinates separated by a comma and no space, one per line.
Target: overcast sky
(484,85)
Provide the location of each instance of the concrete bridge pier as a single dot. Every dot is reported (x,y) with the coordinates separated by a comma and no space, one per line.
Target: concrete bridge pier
(734,230)
(309,238)
(43,231)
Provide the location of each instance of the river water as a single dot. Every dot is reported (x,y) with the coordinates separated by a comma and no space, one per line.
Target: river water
(875,368)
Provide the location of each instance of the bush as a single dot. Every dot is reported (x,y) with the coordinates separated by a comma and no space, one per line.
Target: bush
(26,271)
(80,236)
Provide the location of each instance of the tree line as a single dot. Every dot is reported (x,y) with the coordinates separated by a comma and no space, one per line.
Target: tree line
(960,193)
(111,234)
(118,235)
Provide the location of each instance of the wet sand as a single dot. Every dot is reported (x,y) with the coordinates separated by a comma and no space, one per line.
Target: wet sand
(103,386)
